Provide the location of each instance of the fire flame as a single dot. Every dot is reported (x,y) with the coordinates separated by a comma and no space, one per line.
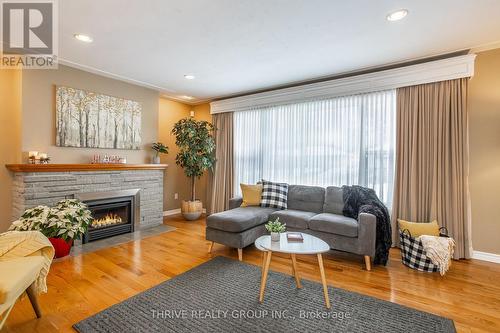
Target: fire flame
(106,220)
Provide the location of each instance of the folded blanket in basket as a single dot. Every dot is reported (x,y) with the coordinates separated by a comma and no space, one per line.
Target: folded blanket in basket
(439,250)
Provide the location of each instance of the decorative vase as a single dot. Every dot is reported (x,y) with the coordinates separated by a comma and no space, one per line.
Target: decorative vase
(275,236)
(156,159)
(61,246)
(191,210)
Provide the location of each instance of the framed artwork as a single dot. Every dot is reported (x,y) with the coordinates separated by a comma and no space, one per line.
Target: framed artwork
(86,119)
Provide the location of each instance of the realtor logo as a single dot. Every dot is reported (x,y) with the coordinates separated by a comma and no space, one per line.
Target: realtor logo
(29,34)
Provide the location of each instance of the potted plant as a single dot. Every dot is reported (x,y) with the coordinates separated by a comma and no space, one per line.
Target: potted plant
(159,148)
(68,220)
(196,155)
(275,228)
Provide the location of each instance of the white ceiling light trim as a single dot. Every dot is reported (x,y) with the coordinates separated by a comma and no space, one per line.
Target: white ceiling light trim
(439,70)
(397,15)
(83,38)
(189,77)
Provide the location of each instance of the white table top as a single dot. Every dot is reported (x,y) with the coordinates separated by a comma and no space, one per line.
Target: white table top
(310,245)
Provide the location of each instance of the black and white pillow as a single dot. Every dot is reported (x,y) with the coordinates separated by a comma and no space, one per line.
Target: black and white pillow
(274,195)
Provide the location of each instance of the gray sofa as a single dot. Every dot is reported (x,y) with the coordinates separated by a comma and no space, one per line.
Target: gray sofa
(311,209)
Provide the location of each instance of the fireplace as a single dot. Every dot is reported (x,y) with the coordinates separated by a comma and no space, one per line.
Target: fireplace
(114,213)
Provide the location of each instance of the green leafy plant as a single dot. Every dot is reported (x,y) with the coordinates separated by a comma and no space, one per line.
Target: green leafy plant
(68,219)
(159,148)
(275,226)
(196,148)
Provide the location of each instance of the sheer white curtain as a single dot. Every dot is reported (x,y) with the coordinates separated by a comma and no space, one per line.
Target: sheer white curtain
(340,141)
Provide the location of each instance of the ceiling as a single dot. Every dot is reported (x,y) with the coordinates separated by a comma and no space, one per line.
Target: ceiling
(237,46)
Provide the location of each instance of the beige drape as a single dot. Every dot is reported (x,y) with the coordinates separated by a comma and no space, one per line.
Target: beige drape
(221,181)
(431,180)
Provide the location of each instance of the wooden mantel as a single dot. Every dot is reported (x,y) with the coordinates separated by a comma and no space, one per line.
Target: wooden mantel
(82,167)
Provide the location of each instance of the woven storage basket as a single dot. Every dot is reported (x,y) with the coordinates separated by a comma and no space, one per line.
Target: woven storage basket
(413,253)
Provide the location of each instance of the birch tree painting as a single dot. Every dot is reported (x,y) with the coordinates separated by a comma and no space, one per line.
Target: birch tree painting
(90,120)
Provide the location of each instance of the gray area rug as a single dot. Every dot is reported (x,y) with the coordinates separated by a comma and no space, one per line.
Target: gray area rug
(221,295)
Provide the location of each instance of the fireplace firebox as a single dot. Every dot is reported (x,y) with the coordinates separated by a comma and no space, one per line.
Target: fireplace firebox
(113,213)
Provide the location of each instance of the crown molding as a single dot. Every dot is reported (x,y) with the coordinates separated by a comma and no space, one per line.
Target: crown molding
(485,47)
(163,92)
(433,71)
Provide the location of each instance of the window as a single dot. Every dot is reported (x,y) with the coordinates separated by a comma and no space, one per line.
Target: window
(340,141)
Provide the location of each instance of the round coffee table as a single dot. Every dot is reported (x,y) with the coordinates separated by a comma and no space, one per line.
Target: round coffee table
(310,245)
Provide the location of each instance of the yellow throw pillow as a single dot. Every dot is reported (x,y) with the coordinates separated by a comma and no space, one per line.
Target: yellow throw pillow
(251,194)
(420,228)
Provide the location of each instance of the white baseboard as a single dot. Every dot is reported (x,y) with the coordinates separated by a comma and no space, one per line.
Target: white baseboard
(177,211)
(491,257)
(172,212)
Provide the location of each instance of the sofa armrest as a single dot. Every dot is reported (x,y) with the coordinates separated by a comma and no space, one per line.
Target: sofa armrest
(367,233)
(235,202)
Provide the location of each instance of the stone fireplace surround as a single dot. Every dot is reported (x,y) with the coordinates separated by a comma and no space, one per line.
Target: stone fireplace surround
(46,184)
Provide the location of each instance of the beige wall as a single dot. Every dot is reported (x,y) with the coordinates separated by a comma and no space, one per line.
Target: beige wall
(175,181)
(10,144)
(484,174)
(202,112)
(38,98)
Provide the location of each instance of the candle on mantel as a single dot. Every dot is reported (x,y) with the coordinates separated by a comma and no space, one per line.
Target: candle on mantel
(42,156)
(33,154)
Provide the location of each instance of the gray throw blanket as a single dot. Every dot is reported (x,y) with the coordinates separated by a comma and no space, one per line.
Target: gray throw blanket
(359,199)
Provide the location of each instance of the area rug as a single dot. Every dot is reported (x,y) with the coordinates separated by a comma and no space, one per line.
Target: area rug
(221,295)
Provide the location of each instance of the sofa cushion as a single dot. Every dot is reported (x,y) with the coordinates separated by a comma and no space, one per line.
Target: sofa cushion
(334,200)
(239,219)
(306,198)
(293,218)
(17,275)
(334,224)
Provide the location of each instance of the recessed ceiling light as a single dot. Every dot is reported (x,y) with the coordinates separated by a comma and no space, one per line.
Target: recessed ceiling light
(83,38)
(189,76)
(187,97)
(397,15)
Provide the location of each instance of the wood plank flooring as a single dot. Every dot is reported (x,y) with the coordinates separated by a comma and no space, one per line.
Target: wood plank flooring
(83,285)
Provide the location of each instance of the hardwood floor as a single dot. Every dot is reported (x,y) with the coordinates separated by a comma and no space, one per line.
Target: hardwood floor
(83,285)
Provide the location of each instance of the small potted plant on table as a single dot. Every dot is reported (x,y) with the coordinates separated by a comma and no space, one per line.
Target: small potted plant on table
(275,228)
(68,220)
(159,148)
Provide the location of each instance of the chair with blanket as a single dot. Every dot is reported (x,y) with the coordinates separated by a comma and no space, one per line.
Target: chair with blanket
(25,258)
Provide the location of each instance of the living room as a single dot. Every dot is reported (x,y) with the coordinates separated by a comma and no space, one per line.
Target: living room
(217,166)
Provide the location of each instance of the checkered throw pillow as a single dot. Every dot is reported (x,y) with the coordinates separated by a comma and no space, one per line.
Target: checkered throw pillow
(274,195)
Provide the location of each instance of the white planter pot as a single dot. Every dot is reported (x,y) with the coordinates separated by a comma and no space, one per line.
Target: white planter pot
(275,236)
(155,160)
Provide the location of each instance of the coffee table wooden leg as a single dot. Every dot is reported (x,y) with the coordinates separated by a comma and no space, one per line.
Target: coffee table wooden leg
(323,280)
(296,271)
(264,256)
(264,276)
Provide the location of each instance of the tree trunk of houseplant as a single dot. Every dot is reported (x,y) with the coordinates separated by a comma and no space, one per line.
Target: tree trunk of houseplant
(192,210)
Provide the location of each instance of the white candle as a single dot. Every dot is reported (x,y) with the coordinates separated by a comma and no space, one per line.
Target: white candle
(32,153)
(43,155)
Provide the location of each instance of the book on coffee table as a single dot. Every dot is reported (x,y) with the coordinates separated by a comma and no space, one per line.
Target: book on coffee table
(294,237)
